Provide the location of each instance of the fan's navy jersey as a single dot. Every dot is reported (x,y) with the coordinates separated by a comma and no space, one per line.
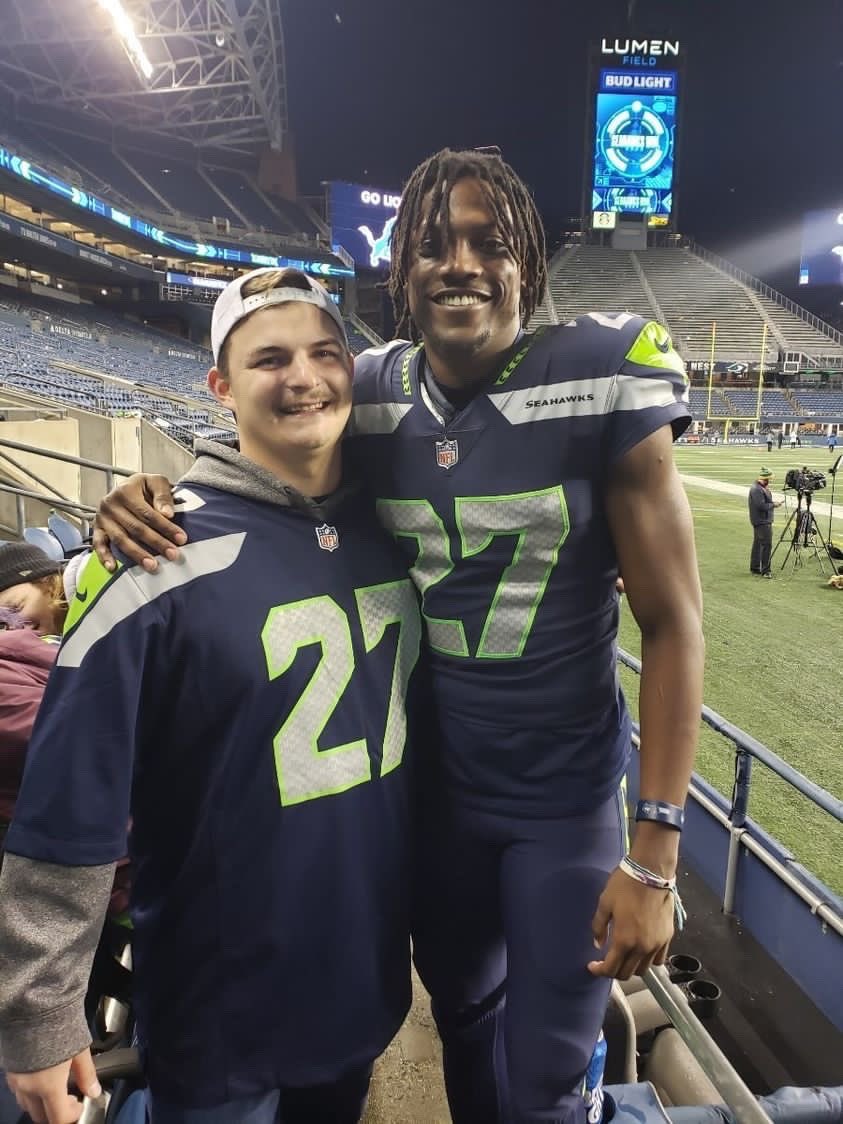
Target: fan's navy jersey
(246,707)
(499,507)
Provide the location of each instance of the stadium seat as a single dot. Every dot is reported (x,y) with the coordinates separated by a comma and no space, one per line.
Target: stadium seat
(46,541)
(69,536)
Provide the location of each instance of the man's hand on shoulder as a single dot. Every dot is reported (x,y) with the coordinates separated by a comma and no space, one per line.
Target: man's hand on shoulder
(44,1095)
(136,517)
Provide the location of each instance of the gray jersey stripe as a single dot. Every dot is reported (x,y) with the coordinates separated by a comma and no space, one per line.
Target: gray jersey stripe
(136,588)
(578,398)
(379,417)
(585,398)
(635,393)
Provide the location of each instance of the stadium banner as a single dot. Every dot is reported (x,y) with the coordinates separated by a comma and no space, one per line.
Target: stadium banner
(16,165)
(74,333)
(624,81)
(196,282)
(19,229)
(362,219)
(821,262)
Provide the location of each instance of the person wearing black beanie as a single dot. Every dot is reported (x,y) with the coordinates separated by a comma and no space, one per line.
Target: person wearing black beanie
(31,586)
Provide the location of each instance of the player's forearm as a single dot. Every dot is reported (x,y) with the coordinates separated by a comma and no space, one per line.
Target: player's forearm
(669,710)
(50,923)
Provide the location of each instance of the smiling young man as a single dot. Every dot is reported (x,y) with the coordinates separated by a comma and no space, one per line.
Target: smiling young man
(519,472)
(245,706)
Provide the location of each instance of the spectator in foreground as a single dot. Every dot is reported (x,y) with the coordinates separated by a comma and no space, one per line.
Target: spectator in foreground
(246,708)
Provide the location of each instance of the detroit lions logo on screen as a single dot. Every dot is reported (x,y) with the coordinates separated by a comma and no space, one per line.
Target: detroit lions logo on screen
(379,244)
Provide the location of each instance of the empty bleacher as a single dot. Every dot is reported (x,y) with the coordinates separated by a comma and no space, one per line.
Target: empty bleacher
(248,199)
(700,404)
(798,334)
(95,164)
(820,403)
(183,186)
(596,279)
(158,186)
(688,294)
(692,294)
(49,349)
(60,351)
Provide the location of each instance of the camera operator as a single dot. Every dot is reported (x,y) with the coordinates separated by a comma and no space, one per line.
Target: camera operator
(761,508)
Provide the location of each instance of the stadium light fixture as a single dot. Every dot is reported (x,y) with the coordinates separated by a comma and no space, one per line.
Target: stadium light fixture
(131,43)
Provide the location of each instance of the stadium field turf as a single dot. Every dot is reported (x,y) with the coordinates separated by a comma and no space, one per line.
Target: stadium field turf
(774,649)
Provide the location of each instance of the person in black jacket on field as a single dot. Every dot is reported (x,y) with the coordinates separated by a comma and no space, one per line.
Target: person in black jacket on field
(761,508)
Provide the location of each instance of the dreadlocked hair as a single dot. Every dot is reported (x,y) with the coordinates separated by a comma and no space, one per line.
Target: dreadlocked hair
(511,203)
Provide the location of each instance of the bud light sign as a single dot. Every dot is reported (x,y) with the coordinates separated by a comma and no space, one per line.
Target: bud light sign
(362,219)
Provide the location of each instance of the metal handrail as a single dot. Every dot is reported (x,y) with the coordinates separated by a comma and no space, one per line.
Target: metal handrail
(32,475)
(84,462)
(745,744)
(714,1062)
(62,505)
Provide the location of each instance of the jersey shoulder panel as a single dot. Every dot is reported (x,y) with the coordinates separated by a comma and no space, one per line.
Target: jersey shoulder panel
(383,388)
(650,387)
(591,346)
(106,599)
(375,368)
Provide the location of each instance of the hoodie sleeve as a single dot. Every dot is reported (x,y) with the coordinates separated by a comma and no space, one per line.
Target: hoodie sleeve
(72,814)
(51,921)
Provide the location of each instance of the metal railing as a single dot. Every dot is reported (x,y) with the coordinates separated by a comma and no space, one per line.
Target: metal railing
(747,749)
(51,497)
(717,1067)
(364,330)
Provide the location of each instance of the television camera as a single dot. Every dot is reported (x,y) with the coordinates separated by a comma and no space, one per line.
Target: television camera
(804,480)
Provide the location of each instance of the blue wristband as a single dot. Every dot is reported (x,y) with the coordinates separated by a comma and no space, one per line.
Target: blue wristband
(659,811)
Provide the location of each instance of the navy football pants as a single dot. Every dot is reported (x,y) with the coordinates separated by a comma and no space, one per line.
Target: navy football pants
(502,937)
(340,1103)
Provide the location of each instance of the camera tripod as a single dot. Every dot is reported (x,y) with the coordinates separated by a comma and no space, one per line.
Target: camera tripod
(805,536)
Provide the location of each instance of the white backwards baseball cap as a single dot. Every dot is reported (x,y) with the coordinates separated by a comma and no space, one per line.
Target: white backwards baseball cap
(231,306)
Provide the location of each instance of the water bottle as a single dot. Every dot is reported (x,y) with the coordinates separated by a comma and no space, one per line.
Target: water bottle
(593,1090)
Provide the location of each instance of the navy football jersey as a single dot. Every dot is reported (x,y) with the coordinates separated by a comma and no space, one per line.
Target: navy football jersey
(246,707)
(499,507)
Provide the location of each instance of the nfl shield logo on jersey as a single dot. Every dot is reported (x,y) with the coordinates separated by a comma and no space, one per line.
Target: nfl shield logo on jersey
(327,537)
(447,453)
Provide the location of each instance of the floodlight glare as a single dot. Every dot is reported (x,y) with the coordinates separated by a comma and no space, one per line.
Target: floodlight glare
(131,43)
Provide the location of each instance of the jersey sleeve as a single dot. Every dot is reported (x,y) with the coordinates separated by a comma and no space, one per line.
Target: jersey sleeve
(382,391)
(650,390)
(73,807)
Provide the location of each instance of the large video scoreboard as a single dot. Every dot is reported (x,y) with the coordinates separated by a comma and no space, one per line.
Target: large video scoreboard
(634,93)
(362,219)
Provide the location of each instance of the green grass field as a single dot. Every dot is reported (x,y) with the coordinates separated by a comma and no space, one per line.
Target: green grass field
(774,650)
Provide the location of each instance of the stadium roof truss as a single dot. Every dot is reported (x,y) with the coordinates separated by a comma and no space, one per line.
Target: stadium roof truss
(217,75)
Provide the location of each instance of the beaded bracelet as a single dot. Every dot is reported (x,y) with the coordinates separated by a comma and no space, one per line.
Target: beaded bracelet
(647,878)
(659,811)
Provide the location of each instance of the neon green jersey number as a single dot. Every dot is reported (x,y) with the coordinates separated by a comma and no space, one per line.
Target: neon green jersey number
(306,772)
(540,523)
(416,519)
